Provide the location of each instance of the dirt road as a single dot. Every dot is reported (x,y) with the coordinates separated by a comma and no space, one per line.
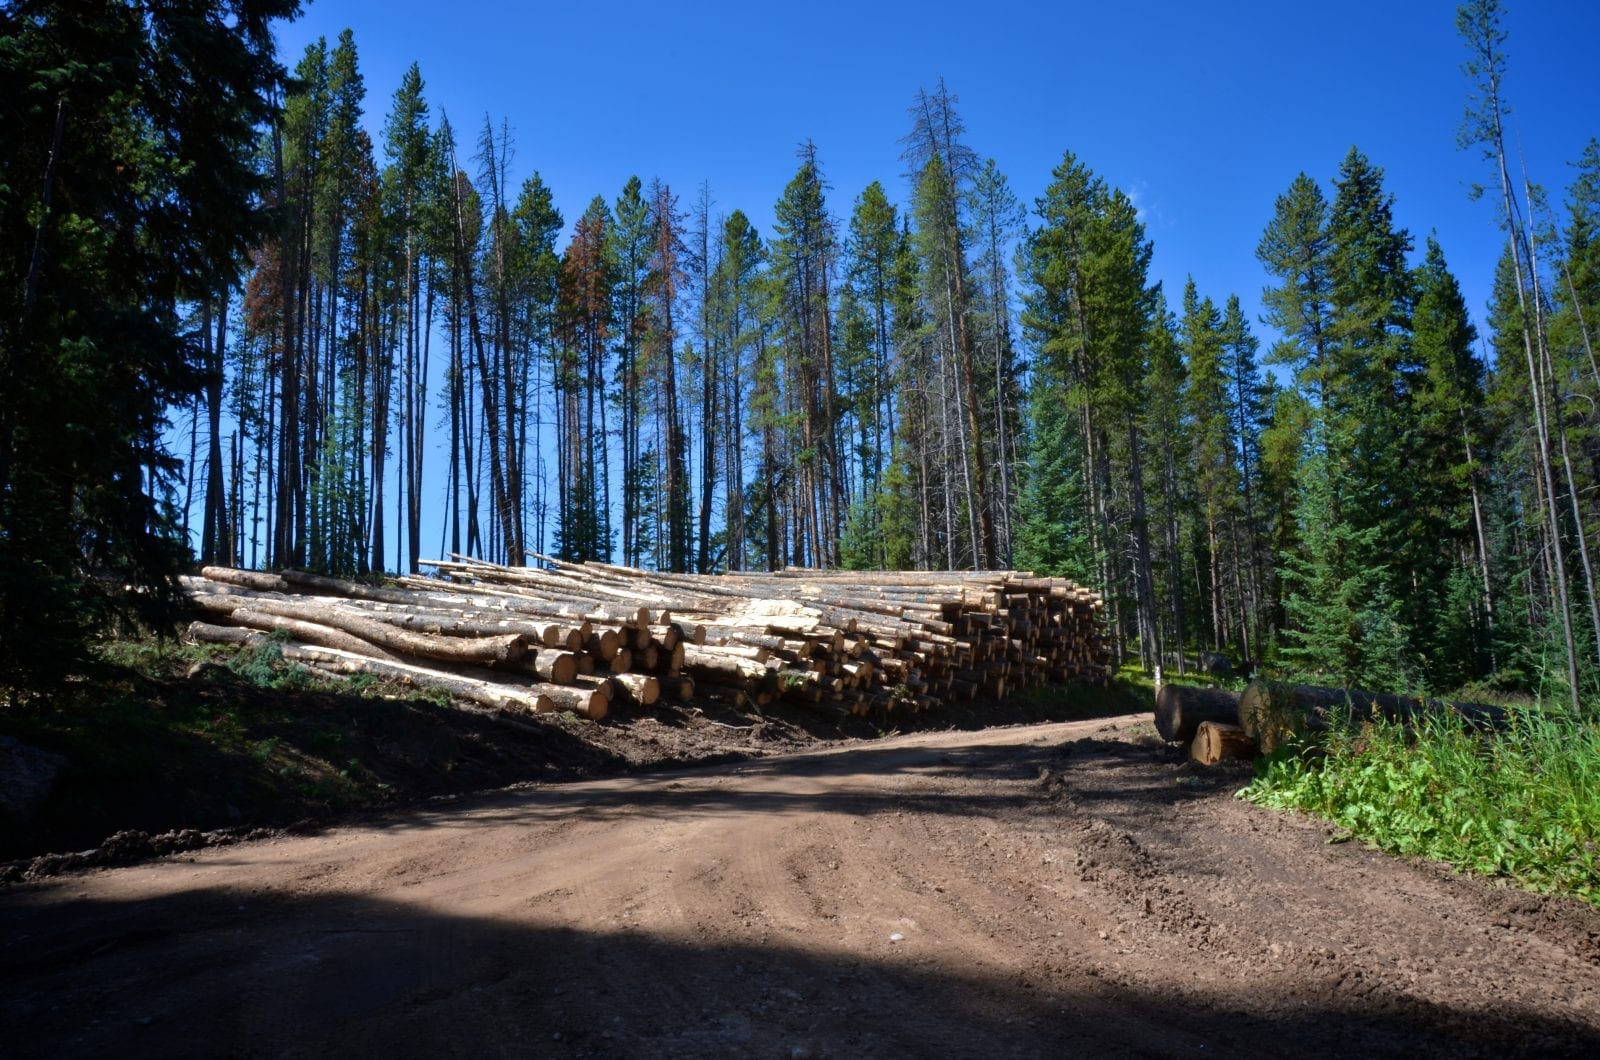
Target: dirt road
(1026,891)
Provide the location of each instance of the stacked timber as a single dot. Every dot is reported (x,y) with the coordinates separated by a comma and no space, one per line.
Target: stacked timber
(564,636)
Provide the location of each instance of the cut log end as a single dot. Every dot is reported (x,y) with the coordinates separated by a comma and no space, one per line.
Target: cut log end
(1216,741)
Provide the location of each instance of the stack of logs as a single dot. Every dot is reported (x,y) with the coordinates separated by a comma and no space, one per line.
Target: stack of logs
(578,637)
(1217,724)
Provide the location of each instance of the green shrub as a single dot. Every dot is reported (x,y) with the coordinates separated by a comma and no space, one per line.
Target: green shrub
(1523,803)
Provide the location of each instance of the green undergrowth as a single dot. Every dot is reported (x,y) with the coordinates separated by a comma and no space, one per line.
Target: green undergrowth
(1521,804)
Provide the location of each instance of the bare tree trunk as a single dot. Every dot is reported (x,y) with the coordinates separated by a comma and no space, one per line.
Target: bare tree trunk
(1541,421)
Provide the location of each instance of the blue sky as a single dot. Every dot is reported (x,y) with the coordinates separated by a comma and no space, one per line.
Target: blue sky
(1203,112)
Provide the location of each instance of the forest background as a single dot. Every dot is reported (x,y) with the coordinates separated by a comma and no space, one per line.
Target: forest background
(1244,357)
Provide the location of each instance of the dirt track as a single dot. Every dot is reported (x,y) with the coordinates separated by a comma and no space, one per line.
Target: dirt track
(1023,891)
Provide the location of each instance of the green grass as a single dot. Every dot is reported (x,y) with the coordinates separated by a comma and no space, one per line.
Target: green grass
(1522,804)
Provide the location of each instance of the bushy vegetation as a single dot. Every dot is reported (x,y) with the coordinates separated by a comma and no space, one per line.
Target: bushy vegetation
(1523,804)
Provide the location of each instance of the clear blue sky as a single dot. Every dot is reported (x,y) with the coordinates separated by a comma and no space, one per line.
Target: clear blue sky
(1203,112)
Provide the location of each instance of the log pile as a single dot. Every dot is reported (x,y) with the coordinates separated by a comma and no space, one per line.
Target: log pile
(580,637)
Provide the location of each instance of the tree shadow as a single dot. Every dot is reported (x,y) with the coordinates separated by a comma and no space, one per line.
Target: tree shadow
(224,972)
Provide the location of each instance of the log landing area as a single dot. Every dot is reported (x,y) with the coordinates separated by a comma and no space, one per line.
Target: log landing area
(583,637)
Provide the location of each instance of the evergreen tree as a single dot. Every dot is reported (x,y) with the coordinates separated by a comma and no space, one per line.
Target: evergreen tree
(662,293)
(100,101)
(1247,396)
(1051,536)
(996,218)
(1091,312)
(735,315)
(1334,597)
(873,248)
(1169,473)
(1295,251)
(587,278)
(1216,480)
(1446,509)
(1055,323)
(535,276)
(802,255)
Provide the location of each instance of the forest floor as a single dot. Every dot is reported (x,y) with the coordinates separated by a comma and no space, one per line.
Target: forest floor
(1022,890)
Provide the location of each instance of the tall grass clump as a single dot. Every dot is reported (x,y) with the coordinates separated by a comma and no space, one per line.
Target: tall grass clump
(1522,803)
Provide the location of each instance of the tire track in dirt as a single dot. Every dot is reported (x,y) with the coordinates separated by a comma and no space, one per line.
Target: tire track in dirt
(1018,892)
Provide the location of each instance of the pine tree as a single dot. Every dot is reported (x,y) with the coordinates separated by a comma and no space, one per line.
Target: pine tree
(1051,537)
(736,317)
(996,219)
(1295,250)
(1249,410)
(1213,451)
(1478,24)
(631,249)
(535,277)
(92,281)
(666,280)
(1055,321)
(587,283)
(1164,422)
(1334,597)
(407,143)
(1447,509)
(802,255)
(1090,312)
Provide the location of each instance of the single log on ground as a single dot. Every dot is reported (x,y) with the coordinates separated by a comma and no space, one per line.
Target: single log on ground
(210,633)
(309,632)
(598,683)
(488,693)
(249,579)
(1181,708)
(603,644)
(1273,712)
(1216,741)
(462,624)
(501,649)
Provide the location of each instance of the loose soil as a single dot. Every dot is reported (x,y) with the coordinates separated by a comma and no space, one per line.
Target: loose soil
(1030,891)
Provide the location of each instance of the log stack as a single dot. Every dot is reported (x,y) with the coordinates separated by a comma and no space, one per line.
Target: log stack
(579,637)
